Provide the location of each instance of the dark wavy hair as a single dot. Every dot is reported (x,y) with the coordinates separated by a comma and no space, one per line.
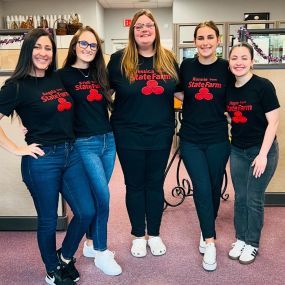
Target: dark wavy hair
(97,66)
(25,62)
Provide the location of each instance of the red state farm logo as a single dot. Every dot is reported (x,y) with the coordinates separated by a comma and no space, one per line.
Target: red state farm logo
(152,87)
(94,95)
(239,118)
(204,94)
(63,105)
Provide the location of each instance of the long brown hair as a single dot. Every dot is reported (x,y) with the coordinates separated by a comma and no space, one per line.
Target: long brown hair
(164,59)
(97,66)
(209,24)
(25,62)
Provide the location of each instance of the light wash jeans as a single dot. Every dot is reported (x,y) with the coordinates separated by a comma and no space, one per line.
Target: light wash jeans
(60,170)
(249,191)
(98,154)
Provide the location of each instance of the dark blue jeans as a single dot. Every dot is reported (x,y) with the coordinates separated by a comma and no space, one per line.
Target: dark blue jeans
(60,170)
(205,164)
(98,154)
(144,176)
(250,191)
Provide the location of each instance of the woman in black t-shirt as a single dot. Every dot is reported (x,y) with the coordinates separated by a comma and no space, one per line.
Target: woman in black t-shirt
(50,165)
(204,140)
(84,75)
(144,77)
(254,110)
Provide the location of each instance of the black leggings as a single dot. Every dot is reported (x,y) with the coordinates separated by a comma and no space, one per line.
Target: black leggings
(205,164)
(144,175)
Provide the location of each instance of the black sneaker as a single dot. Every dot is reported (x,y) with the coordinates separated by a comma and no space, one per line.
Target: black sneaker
(69,269)
(57,277)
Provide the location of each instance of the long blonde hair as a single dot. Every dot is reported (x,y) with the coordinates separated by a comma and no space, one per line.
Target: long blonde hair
(164,59)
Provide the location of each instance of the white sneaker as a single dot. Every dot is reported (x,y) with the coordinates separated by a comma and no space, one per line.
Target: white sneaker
(202,245)
(88,250)
(248,254)
(105,261)
(237,248)
(209,259)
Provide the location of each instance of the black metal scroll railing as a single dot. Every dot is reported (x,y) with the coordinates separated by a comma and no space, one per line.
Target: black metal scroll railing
(184,188)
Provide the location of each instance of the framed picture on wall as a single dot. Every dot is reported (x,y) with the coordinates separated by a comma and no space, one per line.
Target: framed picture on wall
(256,17)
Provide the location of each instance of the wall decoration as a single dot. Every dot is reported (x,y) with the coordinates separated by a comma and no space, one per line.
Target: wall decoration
(258,45)
(256,17)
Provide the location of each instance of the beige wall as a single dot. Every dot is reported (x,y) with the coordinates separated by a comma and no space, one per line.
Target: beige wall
(277,77)
(15,199)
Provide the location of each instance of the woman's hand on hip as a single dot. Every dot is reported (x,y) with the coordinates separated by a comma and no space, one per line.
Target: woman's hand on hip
(33,150)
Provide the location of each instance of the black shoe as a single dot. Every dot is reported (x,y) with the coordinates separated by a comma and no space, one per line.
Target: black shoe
(57,277)
(69,269)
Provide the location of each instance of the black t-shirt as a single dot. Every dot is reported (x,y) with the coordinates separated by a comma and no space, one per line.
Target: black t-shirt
(90,106)
(247,106)
(143,116)
(44,106)
(204,101)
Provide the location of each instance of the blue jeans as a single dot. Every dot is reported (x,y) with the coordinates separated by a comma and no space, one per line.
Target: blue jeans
(249,191)
(60,170)
(98,154)
(205,164)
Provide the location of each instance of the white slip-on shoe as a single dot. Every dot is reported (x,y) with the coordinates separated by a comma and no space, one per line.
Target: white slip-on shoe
(157,247)
(237,248)
(248,254)
(88,250)
(202,244)
(209,259)
(138,248)
(105,261)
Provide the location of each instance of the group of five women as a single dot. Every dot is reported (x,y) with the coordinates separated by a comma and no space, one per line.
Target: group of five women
(71,144)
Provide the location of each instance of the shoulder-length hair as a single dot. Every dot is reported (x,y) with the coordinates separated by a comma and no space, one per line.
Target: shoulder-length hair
(25,62)
(164,60)
(97,66)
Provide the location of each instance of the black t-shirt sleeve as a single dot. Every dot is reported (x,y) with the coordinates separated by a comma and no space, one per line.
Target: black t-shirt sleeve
(8,99)
(186,64)
(178,87)
(110,69)
(114,68)
(269,98)
(181,71)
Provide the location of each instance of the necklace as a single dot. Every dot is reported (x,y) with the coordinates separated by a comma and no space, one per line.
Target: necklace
(85,75)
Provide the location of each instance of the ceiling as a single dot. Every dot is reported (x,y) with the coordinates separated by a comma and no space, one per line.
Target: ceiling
(127,3)
(135,3)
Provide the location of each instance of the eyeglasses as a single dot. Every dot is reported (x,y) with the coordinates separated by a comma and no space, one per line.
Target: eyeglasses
(139,26)
(85,44)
